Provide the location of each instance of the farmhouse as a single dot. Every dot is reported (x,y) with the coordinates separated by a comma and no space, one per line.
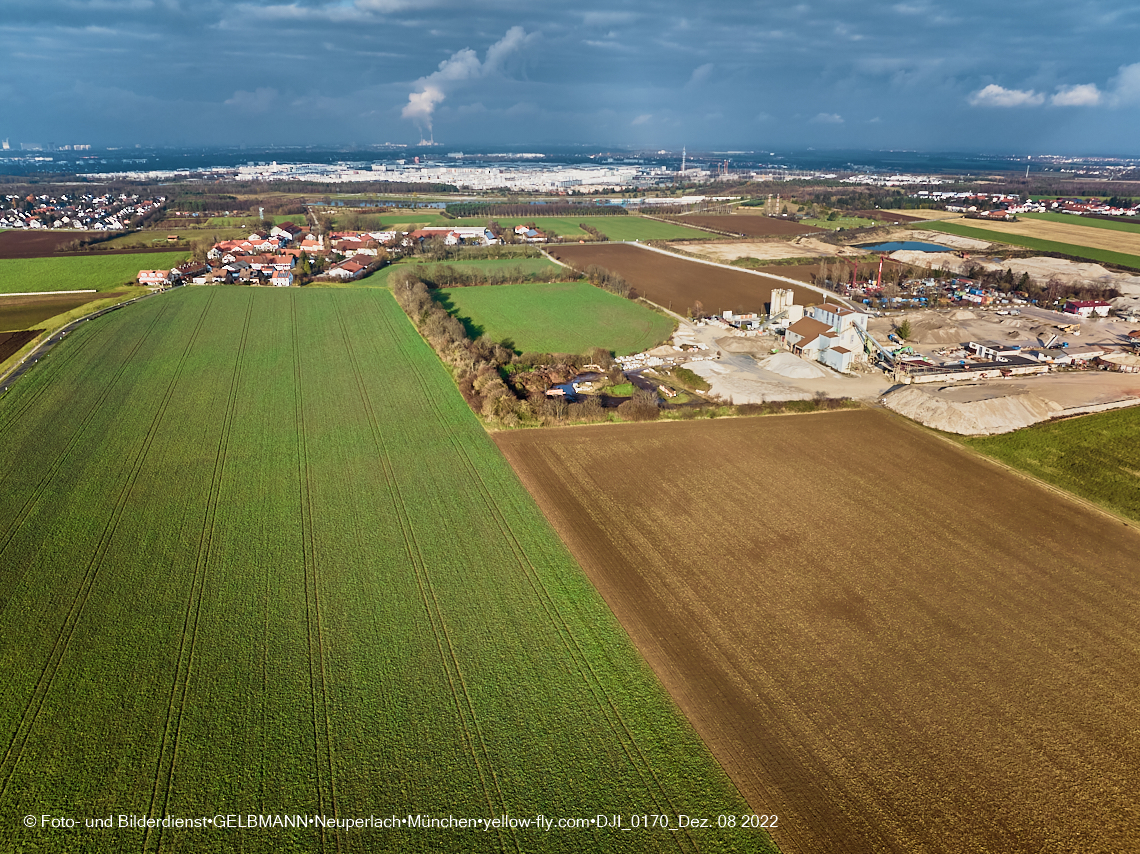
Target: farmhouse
(154,277)
(347,270)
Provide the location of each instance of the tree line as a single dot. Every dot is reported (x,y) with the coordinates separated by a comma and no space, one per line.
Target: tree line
(593,232)
(501,385)
(600,277)
(448,276)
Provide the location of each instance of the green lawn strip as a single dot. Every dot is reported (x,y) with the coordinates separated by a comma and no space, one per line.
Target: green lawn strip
(248,221)
(380,278)
(565,317)
(1086,253)
(377,611)
(154,238)
(1121,224)
(83,272)
(1094,456)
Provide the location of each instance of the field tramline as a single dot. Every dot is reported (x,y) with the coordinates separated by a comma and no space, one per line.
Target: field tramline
(270,563)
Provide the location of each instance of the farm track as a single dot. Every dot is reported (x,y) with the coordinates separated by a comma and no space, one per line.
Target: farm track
(317,672)
(465,710)
(51,667)
(180,687)
(601,698)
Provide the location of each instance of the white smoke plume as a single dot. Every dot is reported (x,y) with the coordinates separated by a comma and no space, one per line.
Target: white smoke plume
(430,91)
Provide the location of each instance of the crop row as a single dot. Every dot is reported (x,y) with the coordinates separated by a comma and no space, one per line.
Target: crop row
(269,562)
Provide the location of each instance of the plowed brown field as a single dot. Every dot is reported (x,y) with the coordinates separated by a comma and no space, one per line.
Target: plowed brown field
(889,642)
(11,342)
(679,284)
(43,244)
(749,225)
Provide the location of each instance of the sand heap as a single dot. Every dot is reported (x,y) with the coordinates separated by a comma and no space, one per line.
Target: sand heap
(760,346)
(983,416)
(935,330)
(791,366)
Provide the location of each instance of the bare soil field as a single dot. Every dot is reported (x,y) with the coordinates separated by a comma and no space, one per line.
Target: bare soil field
(748,225)
(678,284)
(801,247)
(22,312)
(35,244)
(878,633)
(10,342)
(44,244)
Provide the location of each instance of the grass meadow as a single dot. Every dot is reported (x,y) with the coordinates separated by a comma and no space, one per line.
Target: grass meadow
(565,317)
(1088,253)
(1094,456)
(80,272)
(260,557)
(841,222)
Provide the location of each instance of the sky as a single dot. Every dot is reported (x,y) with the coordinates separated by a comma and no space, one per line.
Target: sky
(1017,76)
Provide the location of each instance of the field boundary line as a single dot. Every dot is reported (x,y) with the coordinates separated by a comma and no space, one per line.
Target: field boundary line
(427,592)
(570,642)
(317,680)
(71,621)
(185,661)
(1058,490)
(42,486)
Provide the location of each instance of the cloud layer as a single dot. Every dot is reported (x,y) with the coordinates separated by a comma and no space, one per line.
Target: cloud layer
(750,76)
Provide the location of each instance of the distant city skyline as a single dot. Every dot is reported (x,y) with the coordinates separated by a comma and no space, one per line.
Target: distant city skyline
(1001,78)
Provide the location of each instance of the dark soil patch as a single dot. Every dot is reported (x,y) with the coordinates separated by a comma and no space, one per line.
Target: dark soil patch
(10,342)
(678,284)
(45,244)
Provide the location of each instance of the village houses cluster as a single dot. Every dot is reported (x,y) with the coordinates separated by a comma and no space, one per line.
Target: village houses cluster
(288,250)
(82,211)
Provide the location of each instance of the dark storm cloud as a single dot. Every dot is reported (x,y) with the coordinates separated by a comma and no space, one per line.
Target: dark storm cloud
(1015,76)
